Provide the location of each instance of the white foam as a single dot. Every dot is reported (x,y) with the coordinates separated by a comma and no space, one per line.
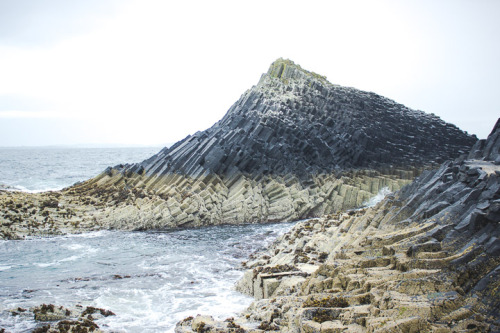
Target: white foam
(73,247)
(92,234)
(58,262)
(25,189)
(80,248)
(169,276)
(5,268)
(17,323)
(378,197)
(72,258)
(47,264)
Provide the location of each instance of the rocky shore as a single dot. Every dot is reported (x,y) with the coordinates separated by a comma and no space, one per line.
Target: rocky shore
(294,146)
(89,207)
(58,319)
(427,258)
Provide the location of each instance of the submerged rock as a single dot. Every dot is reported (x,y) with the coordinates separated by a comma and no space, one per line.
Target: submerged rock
(426,258)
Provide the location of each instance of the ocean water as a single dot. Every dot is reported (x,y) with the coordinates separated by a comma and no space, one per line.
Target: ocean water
(44,169)
(150,280)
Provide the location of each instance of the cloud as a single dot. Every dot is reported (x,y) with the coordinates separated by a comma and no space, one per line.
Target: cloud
(36,22)
(155,71)
(35,114)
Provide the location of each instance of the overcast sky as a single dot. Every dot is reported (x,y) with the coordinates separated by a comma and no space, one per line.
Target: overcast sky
(154,71)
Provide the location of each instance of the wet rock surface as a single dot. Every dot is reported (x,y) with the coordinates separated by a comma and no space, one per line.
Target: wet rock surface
(58,319)
(426,258)
(293,146)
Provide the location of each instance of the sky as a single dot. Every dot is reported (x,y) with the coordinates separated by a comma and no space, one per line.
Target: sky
(151,72)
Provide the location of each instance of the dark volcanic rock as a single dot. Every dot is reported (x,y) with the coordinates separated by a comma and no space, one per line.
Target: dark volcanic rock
(488,149)
(296,122)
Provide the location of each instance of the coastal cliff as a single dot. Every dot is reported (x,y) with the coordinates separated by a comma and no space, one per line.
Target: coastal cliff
(294,146)
(426,258)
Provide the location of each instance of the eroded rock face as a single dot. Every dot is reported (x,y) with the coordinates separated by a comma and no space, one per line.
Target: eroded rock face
(291,147)
(425,259)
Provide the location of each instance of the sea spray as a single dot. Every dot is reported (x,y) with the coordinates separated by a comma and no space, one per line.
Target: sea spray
(378,197)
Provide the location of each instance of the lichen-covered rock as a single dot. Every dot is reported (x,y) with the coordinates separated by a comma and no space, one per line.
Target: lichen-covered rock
(69,326)
(58,319)
(50,312)
(208,324)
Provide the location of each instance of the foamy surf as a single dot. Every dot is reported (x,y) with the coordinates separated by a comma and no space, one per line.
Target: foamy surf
(150,280)
(378,197)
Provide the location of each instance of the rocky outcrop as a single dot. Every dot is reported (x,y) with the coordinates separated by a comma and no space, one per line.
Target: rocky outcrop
(87,207)
(293,146)
(427,258)
(295,122)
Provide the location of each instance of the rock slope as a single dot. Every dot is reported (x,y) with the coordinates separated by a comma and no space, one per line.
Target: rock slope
(425,259)
(296,122)
(293,146)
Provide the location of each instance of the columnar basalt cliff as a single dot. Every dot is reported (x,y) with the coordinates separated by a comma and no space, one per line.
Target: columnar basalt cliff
(291,147)
(425,259)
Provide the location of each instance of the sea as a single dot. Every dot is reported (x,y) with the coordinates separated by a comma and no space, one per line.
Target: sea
(150,280)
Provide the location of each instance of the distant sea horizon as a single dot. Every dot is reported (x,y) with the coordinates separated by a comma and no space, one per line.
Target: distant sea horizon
(91,145)
(52,168)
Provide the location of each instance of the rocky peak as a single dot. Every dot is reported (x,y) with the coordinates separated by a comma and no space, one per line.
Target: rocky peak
(287,71)
(296,122)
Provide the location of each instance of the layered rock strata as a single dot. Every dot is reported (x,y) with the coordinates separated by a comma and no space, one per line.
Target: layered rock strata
(90,207)
(291,147)
(427,258)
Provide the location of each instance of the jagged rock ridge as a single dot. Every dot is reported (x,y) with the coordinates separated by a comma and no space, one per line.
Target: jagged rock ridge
(426,259)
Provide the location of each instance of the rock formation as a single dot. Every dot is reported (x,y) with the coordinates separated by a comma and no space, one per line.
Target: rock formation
(427,258)
(58,319)
(293,146)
